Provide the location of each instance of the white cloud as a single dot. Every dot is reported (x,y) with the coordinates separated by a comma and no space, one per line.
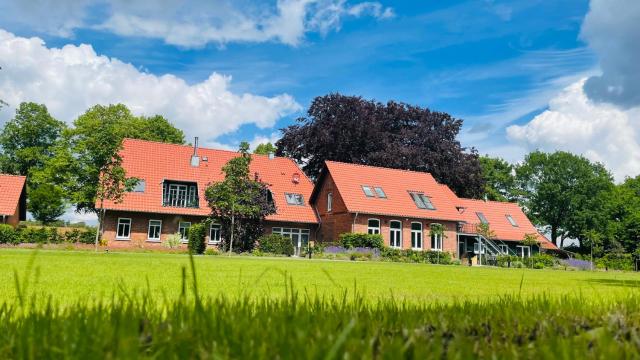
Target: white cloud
(192,23)
(71,79)
(601,132)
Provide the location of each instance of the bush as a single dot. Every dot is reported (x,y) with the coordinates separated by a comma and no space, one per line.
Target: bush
(361,240)
(517,264)
(8,234)
(173,241)
(538,265)
(507,260)
(427,256)
(88,236)
(211,251)
(197,238)
(616,261)
(275,244)
(545,259)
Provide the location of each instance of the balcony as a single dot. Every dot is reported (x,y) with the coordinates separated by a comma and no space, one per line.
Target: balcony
(181,195)
(468,228)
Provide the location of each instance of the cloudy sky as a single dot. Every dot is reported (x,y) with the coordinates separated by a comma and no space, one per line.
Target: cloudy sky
(523,74)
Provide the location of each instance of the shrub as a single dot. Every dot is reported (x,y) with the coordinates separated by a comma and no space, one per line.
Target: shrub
(275,244)
(437,257)
(8,234)
(616,261)
(517,264)
(538,265)
(72,236)
(507,260)
(211,251)
(173,241)
(88,236)
(545,259)
(353,240)
(197,238)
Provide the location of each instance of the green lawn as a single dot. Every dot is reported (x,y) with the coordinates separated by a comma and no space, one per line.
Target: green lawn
(68,276)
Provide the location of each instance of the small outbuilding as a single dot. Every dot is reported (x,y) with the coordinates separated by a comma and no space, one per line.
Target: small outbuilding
(13,199)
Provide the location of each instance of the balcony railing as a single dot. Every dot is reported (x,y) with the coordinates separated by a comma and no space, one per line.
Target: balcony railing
(171,201)
(468,228)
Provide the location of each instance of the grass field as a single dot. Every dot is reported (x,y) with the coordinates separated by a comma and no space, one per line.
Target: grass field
(132,305)
(68,276)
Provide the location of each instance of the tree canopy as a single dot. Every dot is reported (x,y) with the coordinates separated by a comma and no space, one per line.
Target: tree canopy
(562,191)
(499,177)
(265,149)
(397,135)
(240,203)
(46,203)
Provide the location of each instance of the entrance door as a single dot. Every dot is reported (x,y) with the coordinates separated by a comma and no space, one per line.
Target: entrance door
(462,249)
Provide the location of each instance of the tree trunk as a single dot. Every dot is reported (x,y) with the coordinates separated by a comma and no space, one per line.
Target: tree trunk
(100,220)
(554,235)
(233,217)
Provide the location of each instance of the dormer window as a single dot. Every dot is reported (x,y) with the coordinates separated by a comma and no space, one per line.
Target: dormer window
(367,191)
(294,199)
(422,201)
(180,194)
(379,192)
(482,218)
(512,221)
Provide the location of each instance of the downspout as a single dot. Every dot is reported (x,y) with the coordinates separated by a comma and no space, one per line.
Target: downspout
(353,226)
(315,210)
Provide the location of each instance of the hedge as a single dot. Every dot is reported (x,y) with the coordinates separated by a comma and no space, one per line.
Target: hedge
(426,256)
(197,238)
(44,235)
(361,240)
(275,244)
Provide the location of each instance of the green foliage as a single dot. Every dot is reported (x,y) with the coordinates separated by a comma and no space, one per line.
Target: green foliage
(46,203)
(275,244)
(616,261)
(8,234)
(27,140)
(361,240)
(562,191)
(197,237)
(530,240)
(499,179)
(507,260)
(173,241)
(486,231)
(240,200)
(265,149)
(425,256)
(545,259)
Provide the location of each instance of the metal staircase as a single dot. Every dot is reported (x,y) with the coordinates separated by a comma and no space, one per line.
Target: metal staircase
(491,250)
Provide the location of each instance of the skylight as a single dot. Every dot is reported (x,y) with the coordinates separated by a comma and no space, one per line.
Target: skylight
(512,220)
(380,192)
(482,218)
(140,186)
(422,201)
(367,191)
(294,199)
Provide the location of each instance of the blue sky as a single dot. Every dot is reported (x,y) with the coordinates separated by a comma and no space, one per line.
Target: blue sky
(512,70)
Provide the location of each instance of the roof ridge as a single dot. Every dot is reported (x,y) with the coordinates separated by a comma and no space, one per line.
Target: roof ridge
(199,147)
(489,201)
(13,175)
(384,168)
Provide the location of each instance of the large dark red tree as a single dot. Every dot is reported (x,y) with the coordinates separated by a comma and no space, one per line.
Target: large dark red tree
(397,135)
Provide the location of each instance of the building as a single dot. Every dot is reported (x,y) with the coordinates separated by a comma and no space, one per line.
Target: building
(13,199)
(170,194)
(403,206)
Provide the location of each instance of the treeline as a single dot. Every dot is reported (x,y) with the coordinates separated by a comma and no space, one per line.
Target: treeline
(565,194)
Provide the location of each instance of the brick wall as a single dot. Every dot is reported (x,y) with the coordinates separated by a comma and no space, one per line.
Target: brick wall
(14,219)
(336,221)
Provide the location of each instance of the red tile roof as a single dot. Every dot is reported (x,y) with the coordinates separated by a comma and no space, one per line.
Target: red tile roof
(155,162)
(11,187)
(496,214)
(397,184)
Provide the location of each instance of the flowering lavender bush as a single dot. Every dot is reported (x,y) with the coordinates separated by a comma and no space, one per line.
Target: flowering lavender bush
(577,263)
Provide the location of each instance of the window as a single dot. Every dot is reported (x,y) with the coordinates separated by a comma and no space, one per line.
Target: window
(294,199)
(154,231)
(422,201)
(436,241)
(523,251)
(329,201)
(380,192)
(214,234)
(183,229)
(482,218)
(373,226)
(140,186)
(476,248)
(124,229)
(511,220)
(416,236)
(504,249)
(395,234)
(367,191)
(180,195)
(299,237)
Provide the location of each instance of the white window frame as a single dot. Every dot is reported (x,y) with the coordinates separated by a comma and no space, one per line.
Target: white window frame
(329,201)
(392,230)
(289,232)
(438,240)
(476,247)
(149,231)
(295,196)
(219,229)
(520,249)
(184,237)
(379,191)
(417,235)
(128,237)
(504,248)
(373,230)
(370,193)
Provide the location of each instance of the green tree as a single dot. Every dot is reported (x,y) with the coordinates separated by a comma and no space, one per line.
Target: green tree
(499,179)
(154,128)
(265,149)
(620,218)
(240,203)
(46,203)
(561,191)
(27,140)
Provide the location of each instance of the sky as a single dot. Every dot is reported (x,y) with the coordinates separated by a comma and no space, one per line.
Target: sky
(523,75)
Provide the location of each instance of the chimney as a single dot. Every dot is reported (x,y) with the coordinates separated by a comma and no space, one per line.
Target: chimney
(272,155)
(195,159)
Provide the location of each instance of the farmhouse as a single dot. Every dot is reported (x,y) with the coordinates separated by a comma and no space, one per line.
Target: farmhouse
(13,199)
(170,194)
(412,211)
